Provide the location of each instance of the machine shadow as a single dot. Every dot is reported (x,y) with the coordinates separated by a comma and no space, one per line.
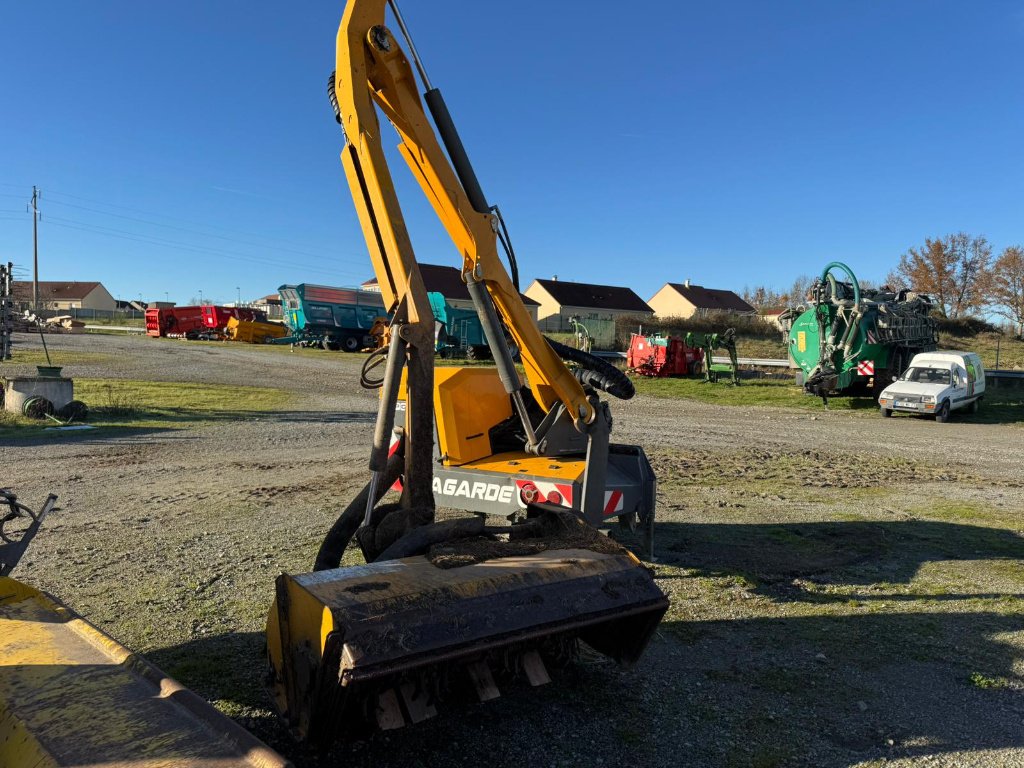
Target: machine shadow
(842,690)
(228,669)
(834,688)
(773,555)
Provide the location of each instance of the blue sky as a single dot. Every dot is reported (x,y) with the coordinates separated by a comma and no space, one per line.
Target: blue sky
(189,146)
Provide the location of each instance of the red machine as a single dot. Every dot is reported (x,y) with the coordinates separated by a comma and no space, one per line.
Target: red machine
(216,318)
(193,322)
(662,356)
(175,321)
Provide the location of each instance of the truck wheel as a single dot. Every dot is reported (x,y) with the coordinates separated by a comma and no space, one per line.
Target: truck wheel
(886,412)
(942,415)
(76,410)
(37,407)
(351,344)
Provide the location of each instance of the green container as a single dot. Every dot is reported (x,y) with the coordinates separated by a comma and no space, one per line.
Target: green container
(49,371)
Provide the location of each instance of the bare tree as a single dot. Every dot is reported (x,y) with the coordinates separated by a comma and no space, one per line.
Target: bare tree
(1005,287)
(953,270)
(762,297)
(800,291)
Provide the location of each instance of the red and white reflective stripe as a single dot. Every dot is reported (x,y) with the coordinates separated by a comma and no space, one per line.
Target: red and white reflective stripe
(545,489)
(866,368)
(612,502)
(395,442)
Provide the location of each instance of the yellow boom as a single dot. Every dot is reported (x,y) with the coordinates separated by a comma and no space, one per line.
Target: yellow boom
(371,69)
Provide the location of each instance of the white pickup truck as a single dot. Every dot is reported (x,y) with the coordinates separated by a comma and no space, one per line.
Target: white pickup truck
(935,384)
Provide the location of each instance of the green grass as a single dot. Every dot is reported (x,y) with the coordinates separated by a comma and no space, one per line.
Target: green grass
(1010,350)
(986,683)
(751,392)
(127,404)
(1002,405)
(764,347)
(27,357)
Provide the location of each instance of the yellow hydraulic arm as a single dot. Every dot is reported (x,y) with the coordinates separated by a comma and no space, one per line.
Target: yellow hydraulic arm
(372,70)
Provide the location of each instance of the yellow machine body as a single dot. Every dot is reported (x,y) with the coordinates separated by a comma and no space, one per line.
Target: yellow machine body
(384,644)
(468,402)
(360,647)
(254,331)
(72,696)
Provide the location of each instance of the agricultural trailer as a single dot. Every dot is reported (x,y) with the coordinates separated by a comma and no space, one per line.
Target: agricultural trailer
(457,332)
(175,322)
(332,318)
(216,318)
(856,341)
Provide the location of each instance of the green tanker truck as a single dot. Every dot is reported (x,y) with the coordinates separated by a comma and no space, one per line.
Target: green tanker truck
(855,341)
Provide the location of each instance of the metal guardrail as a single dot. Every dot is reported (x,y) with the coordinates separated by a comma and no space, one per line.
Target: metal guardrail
(757,362)
(126,328)
(753,362)
(1005,374)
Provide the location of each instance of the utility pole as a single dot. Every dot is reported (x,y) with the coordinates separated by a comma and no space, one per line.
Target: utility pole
(6,310)
(36,194)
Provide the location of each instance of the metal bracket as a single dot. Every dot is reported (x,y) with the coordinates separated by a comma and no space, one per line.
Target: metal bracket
(595,474)
(12,547)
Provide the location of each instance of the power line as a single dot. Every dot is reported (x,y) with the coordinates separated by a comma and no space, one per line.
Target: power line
(182,229)
(59,221)
(122,235)
(105,204)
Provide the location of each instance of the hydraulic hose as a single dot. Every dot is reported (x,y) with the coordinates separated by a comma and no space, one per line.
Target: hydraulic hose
(333,546)
(595,372)
(377,358)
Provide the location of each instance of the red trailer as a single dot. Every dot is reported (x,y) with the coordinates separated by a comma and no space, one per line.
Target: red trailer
(662,356)
(175,321)
(216,318)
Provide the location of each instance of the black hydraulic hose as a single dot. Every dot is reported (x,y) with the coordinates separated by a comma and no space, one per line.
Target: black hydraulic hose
(595,372)
(377,358)
(333,546)
(332,96)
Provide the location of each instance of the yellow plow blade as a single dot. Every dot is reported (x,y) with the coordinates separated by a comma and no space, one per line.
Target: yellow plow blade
(384,644)
(71,696)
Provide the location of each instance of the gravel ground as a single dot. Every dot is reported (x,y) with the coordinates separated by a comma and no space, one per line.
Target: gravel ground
(846,591)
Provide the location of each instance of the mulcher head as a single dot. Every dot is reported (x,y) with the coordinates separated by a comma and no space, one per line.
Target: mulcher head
(385,644)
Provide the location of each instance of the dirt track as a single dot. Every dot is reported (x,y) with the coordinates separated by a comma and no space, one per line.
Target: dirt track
(836,579)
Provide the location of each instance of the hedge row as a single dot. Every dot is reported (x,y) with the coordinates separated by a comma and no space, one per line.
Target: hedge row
(745,325)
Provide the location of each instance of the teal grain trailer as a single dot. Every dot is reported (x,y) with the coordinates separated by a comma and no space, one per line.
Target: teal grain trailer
(334,318)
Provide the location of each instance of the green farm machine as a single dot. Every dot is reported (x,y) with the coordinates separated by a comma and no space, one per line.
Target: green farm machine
(855,341)
(709,342)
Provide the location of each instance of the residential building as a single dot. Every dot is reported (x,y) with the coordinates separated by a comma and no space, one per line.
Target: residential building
(688,300)
(61,295)
(270,305)
(595,306)
(448,282)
